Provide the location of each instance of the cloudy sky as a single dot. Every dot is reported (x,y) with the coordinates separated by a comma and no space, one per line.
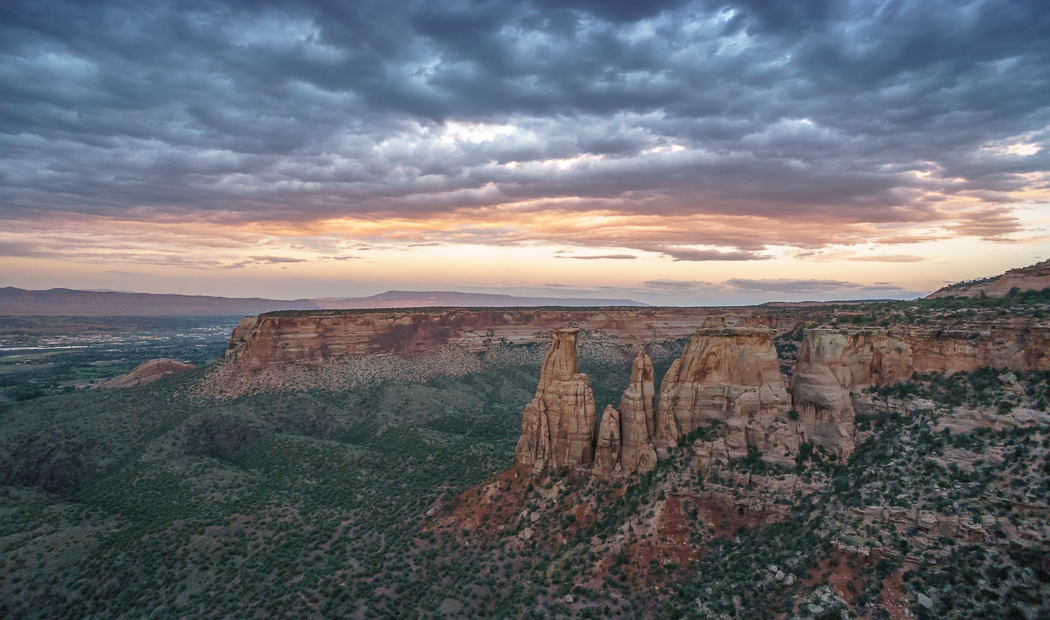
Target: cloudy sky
(668,151)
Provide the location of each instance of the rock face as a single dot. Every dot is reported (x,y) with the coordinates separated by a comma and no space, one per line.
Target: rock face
(835,365)
(728,374)
(1034,277)
(333,350)
(558,425)
(148,372)
(607,450)
(637,417)
(625,437)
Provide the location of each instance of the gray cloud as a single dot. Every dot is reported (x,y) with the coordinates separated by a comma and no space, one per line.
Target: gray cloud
(602,257)
(271,260)
(664,286)
(293,111)
(785,285)
(688,254)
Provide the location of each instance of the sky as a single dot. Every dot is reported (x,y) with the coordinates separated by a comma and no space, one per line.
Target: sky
(671,152)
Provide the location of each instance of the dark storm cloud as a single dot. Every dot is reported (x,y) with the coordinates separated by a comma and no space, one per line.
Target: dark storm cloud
(871,112)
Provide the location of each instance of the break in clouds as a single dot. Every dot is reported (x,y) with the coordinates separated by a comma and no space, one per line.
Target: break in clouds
(736,125)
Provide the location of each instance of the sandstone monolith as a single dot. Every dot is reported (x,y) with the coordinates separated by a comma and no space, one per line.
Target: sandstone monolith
(727,373)
(562,414)
(637,422)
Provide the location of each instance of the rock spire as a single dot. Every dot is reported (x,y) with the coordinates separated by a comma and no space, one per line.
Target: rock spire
(625,438)
(558,425)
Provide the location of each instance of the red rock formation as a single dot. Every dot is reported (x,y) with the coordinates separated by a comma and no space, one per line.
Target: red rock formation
(834,365)
(724,373)
(607,449)
(625,437)
(564,404)
(534,445)
(242,332)
(148,372)
(637,418)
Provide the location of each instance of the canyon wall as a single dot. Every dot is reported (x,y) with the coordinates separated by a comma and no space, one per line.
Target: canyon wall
(315,337)
(339,350)
(834,365)
(728,376)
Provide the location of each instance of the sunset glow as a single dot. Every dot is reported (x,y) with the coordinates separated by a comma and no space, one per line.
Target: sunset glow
(681,153)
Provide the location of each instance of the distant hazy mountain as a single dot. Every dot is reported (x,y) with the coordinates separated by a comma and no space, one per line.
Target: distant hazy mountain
(68,302)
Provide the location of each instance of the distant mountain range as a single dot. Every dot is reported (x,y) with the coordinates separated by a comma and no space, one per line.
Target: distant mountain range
(68,302)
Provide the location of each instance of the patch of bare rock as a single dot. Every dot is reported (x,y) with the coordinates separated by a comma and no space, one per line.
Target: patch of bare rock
(148,372)
(728,380)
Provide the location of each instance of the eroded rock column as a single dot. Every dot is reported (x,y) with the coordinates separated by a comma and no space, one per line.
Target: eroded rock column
(558,426)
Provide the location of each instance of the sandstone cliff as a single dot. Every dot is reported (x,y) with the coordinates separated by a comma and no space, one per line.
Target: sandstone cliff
(834,363)
(336,350)
(558,425)
(728,374)
(148,372)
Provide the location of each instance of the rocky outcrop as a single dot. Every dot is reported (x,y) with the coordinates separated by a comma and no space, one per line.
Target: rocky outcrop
(1034,277)
(558,425)
(607,449)
(728,374)
(637,418)
(242,332)
(835,365)
(148,372)
(625,437)
(338,350)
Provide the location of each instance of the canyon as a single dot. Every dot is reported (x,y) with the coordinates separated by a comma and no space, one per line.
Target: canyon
(728,378)
(728,375)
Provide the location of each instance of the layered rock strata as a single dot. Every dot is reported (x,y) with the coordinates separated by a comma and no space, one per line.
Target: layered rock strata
(558,425)
(729,375)
(334,350)
(625,437)
(835,365)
